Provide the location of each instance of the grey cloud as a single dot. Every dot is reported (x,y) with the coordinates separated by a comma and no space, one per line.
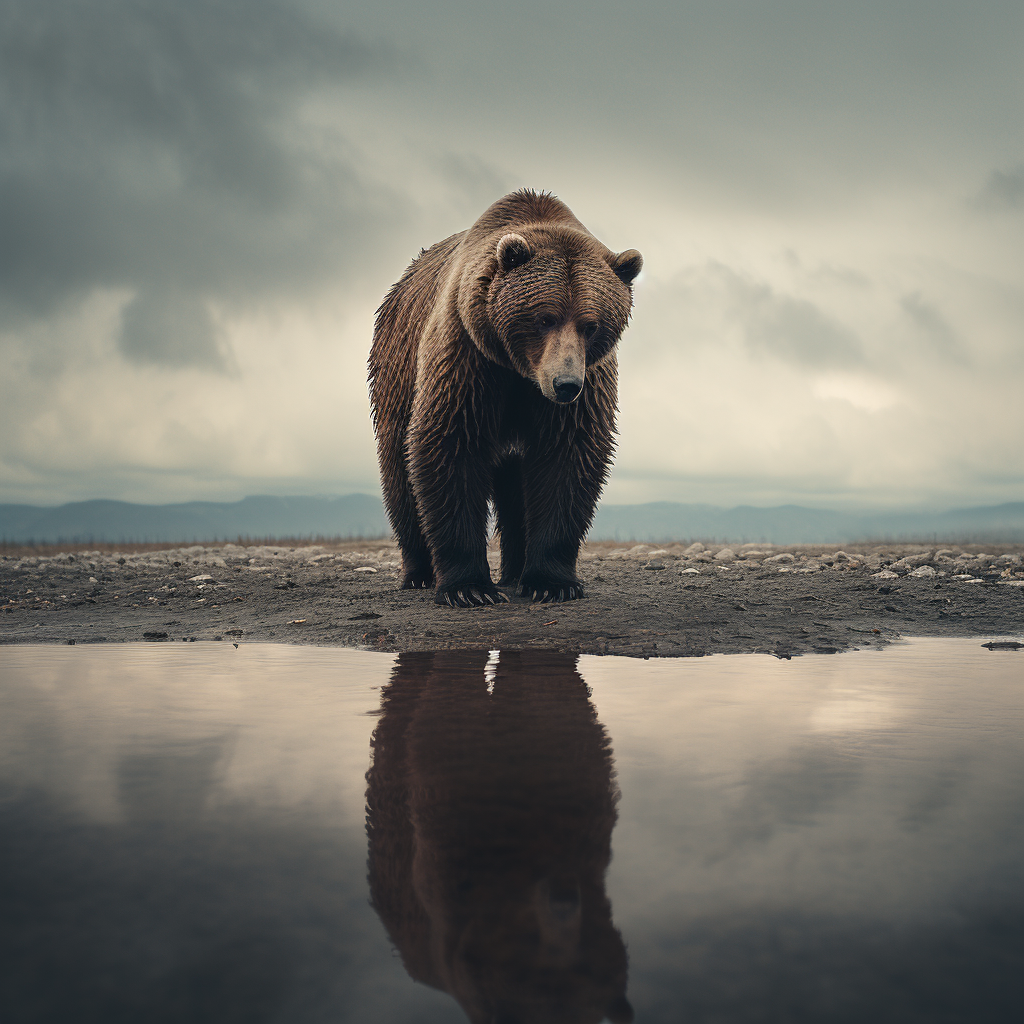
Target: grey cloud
(941,337)
(474,183)
(795,330)
(152,144)
(771,323)
(175,328)
(1004,190)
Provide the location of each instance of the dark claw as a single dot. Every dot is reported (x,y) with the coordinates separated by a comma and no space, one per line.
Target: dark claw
(489,599)
(545,598)
(448,600)
(572,593)
(502,597)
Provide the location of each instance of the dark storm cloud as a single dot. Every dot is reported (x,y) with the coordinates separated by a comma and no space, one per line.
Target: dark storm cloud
(150,146)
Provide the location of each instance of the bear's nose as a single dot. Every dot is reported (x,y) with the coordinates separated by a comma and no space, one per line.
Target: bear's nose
(567,389)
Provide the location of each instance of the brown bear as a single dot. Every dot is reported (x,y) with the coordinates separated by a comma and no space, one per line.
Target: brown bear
(491,802)
(493,379)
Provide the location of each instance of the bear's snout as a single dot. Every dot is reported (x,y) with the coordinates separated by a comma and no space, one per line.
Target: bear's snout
(563,366)
(567,389)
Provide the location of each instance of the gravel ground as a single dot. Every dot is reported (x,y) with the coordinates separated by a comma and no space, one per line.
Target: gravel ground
(642,600)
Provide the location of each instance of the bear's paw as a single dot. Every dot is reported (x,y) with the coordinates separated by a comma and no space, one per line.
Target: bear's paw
(549,591)
(468,595)
(418,579)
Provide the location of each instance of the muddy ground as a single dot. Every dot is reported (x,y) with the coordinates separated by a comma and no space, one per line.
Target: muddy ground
(642,600)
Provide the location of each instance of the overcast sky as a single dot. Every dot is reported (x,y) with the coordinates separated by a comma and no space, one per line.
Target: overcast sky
(202,204)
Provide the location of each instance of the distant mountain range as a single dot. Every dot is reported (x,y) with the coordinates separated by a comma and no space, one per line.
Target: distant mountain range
(354,515)
(793,524)
(362,515)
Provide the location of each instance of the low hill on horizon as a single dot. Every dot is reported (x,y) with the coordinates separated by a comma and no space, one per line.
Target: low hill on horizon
(362,515)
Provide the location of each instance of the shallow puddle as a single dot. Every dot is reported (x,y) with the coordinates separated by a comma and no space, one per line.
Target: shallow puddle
(270,833)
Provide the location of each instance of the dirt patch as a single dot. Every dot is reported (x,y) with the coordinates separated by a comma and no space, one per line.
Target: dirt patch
(642,600)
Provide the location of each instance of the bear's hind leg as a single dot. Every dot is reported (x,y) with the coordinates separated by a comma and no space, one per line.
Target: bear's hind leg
(400,502)
(510,511)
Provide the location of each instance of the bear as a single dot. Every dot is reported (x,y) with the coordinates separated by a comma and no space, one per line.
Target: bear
(490,806)
(493,380)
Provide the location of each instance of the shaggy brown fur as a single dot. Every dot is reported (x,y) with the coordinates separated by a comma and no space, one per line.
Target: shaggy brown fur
(493,379)
(489,817)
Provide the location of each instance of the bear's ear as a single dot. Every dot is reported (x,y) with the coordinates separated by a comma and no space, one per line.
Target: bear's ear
(626,265)
(513,251)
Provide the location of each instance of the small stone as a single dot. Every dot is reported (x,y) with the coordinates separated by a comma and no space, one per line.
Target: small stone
(694,549)
(784,558)
(725,555)
(923,570)
(200,579)
(654,565)
(365,568)
(885,574)
(689,572)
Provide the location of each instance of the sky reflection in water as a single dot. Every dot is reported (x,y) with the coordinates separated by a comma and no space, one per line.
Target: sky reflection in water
(186,833)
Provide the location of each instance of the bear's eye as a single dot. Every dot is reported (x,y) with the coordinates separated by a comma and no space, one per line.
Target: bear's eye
(588,329)
(546,321)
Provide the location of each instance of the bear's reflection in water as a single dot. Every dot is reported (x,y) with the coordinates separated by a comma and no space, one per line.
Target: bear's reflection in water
(490,808)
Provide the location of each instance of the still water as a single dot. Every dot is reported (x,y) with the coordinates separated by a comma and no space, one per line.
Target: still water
(284,834)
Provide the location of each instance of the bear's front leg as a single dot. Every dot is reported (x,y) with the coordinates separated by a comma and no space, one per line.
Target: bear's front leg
(563,477)
(450,473)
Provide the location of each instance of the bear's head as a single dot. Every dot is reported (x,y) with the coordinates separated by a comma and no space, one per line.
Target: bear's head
(552,302)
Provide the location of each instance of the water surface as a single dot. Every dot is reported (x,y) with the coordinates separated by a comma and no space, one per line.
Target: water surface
(269,833)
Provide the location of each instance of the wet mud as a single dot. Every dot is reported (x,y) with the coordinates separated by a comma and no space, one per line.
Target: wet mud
(642,600)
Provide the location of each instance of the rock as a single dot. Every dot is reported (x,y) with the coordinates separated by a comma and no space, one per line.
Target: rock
(913,561)
(200,579)
(689,572)
(654,565)
(885,574)
(924,570)
(784,559)
(694,549)
(725,555)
